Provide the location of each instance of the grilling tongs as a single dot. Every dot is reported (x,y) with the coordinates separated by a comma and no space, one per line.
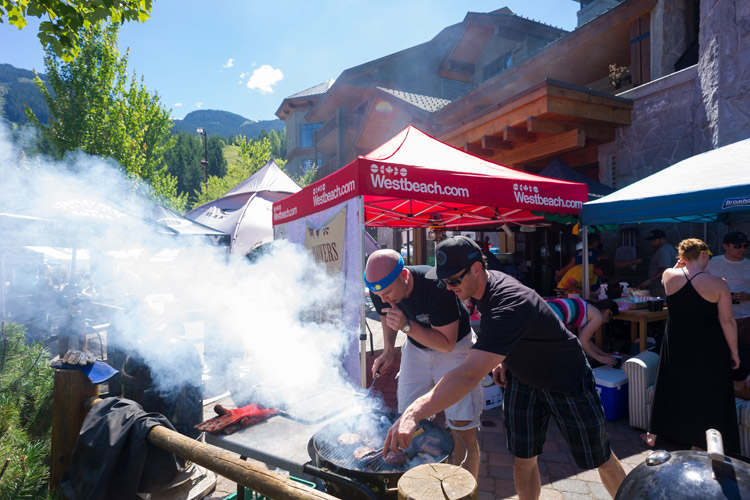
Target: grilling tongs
(374,455)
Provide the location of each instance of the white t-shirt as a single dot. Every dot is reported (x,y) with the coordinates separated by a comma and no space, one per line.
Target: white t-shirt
(737,275)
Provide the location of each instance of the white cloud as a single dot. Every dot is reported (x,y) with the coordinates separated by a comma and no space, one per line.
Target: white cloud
(264,78)
(199,105)
(229,63)
(177,104)
(243,74)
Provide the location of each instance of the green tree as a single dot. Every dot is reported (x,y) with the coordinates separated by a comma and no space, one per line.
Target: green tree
(62,32)
(184,162)
(253,155)
(94,108)
(25,415)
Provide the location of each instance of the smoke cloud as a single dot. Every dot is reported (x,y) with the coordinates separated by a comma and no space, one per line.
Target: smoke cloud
(78,231)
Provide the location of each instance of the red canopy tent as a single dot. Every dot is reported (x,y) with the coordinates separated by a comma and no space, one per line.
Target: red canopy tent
(407,182)
(413,177)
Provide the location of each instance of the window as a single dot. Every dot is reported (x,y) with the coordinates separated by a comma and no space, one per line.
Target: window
(306,134)
(497,66)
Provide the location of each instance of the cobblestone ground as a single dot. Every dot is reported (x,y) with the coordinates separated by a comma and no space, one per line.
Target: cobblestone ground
(561,478)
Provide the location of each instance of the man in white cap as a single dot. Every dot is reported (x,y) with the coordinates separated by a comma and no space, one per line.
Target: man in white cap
(439,337)
(539,362)
(735,269)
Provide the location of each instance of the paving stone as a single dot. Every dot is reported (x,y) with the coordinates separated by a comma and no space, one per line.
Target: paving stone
(500,459)
(504,488)
(561,471)
(574,485)
(501,472)
(569,495)
(598,491)
(550,494)
(556,456)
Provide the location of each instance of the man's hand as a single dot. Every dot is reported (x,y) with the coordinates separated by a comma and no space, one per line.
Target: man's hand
(399,435)
(499,375)
(382,362)
(606,360)
(395,317)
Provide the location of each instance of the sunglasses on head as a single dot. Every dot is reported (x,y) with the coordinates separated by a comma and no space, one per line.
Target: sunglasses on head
(739,245)
(458,279)
(708,252)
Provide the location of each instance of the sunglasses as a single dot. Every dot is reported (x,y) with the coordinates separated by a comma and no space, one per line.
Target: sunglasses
(458,279)
(708,252)
(737,246)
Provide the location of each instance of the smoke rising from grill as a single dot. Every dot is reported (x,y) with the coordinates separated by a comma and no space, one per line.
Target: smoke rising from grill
(159,290)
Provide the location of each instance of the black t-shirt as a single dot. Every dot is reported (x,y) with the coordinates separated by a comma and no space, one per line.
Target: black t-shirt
(518,324)
(430,304)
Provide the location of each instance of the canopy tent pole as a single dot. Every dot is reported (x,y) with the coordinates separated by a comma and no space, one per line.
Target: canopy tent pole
(362,312)
(585,261)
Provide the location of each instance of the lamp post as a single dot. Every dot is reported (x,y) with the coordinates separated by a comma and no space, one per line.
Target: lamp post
(204,161)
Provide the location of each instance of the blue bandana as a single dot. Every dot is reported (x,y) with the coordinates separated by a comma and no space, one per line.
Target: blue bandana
(382,284)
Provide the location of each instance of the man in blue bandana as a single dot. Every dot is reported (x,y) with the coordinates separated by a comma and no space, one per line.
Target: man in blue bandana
(439,338)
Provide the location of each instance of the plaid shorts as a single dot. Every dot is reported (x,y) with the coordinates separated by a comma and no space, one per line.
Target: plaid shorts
(579,415)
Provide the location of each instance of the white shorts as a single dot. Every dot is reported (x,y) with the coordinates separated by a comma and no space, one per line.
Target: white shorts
(421,369)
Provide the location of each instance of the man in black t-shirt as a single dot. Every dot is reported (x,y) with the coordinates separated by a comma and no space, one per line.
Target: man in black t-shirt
(438,339)
(530,353)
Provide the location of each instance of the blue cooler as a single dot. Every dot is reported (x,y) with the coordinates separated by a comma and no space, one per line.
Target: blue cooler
(612,386)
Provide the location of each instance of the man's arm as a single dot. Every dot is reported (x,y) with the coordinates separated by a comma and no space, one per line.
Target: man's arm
(440,338)
(448,391)
(389,345)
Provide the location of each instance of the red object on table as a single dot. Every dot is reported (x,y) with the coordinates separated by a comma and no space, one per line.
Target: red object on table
(229,421)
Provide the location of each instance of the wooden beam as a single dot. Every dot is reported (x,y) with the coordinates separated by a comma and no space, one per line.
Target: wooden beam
(548,146)
(587,156)
(477,149)
(494,142)
(550,126)
(614,114)
(517,135)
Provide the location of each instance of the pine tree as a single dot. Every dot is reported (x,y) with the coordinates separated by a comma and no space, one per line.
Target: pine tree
(25,416)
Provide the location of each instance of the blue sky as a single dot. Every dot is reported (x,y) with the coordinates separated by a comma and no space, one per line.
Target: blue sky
(246,56)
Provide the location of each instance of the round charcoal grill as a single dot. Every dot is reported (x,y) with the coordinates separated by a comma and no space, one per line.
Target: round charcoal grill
(349,477)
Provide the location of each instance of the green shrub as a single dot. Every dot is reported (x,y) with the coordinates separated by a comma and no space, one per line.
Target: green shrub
(25,416)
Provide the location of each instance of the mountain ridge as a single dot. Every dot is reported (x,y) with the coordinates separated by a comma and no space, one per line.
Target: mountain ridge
(17,88)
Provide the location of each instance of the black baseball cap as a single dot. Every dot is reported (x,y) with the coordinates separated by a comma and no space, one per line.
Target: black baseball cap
(735,237)
(453,255)
(655,234)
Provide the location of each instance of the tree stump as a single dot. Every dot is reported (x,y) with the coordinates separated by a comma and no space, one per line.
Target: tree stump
(431,481)
(71,389)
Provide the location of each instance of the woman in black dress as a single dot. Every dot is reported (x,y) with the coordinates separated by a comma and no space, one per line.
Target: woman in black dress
(694,390)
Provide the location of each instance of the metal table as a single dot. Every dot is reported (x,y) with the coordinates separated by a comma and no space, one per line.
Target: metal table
(277,442)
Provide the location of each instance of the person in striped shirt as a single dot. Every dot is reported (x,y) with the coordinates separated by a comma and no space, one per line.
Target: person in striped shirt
(587,317)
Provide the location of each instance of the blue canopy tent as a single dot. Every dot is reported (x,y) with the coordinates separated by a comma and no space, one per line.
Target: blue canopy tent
(709,187)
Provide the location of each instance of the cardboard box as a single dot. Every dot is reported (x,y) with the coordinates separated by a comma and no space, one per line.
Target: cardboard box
(493,396)
(612,386)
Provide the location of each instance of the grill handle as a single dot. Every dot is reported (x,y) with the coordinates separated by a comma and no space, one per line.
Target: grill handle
(338,478)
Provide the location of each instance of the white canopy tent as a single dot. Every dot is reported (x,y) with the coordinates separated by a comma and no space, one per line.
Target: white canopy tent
(244,212)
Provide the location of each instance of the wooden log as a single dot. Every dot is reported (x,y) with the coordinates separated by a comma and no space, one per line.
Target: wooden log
(71,389)
(430,481)
(226,464)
